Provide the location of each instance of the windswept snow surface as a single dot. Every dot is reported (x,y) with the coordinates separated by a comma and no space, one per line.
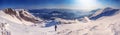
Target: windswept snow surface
(106,25)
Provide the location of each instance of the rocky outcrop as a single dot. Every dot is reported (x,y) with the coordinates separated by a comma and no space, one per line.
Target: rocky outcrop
(27,16)
(10,11)
(3,29)
(22,15)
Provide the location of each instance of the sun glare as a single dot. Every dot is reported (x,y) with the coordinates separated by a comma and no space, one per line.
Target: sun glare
(86,4)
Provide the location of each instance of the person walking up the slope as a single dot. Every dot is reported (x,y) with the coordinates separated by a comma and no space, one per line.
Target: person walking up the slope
(55,27)
(55,23)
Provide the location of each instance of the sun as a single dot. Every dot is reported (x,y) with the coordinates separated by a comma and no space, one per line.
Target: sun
(86,4)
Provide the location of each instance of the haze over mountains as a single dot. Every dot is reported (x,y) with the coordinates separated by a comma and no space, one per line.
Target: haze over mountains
(104,21)
(59,13)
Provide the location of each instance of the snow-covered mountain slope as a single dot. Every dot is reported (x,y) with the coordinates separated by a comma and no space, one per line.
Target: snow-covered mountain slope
(8,27)
(18,16)
(104,12)
(105,25)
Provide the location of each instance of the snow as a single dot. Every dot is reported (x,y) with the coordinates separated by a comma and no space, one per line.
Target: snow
(12,18)
(107,25)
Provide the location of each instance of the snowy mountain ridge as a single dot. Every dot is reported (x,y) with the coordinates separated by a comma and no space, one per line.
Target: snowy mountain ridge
(104,12)
(18,16)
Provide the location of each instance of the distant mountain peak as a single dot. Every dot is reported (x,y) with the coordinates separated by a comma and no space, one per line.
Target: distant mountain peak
(104,12)
(108,8)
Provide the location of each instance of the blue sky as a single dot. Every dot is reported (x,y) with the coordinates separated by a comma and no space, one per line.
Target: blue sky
(55,3)
(114,3)
(31,3)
